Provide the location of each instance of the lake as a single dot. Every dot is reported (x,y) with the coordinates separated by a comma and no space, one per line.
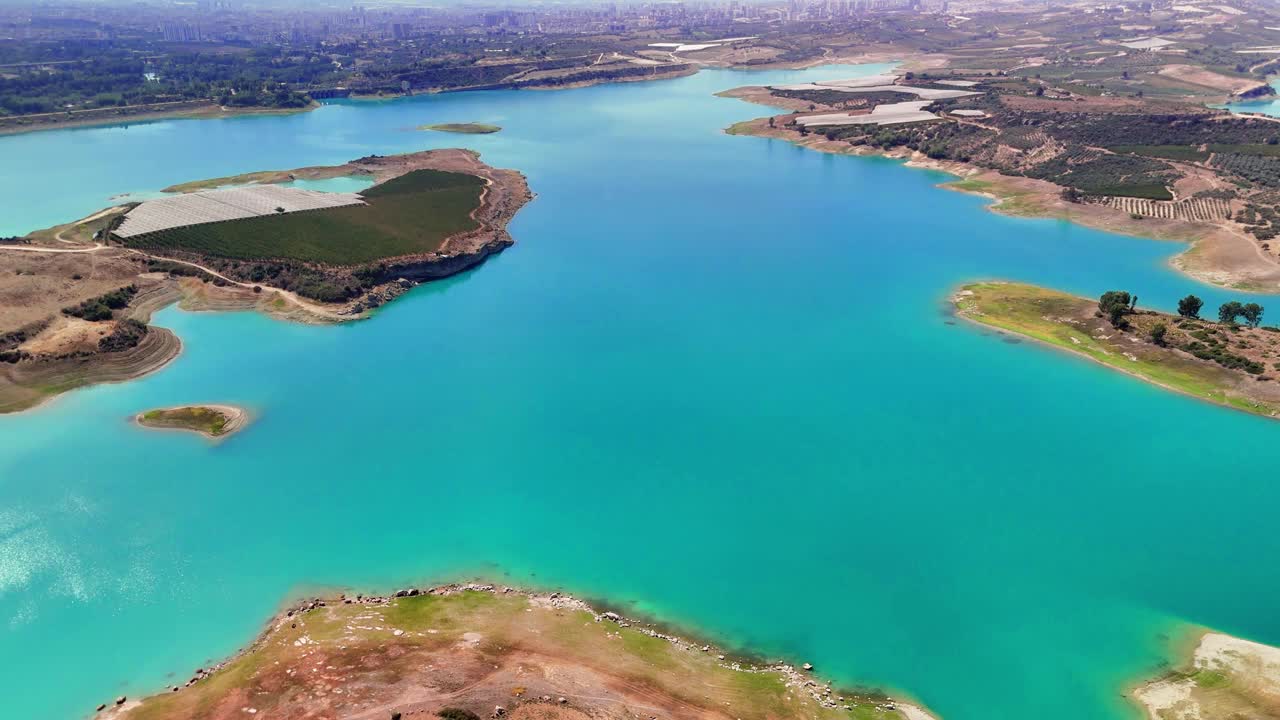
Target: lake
(715,381)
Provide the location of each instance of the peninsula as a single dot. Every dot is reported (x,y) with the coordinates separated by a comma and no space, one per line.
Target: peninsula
(1153,166)
(1224,362)
(76,300)
(1226,679)
(465,652)
(214,421)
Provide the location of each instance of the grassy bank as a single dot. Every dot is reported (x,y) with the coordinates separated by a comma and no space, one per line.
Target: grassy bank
(533,656)
(1072,323)
(413,213)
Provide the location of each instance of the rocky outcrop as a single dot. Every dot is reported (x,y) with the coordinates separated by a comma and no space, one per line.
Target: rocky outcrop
(1260,90)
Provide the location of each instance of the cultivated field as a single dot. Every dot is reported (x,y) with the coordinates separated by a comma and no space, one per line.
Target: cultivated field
(409,215)
(1201,209)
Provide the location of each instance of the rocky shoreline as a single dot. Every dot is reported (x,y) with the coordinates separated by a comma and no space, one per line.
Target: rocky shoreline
(796,678)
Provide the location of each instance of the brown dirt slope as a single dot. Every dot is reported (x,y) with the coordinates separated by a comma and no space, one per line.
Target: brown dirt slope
(496,653)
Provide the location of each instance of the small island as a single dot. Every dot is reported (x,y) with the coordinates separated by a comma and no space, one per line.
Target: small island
(463,128)
(1227,679)
(465,652)
(214,421)
(1234,361)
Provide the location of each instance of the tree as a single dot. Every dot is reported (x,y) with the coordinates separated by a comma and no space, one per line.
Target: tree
(1115,304)
(1229,311)
(770,122)
(1189,306)
(1252,313)
(1158,332)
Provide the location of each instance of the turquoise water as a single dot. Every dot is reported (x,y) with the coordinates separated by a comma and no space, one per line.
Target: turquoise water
(1265,106)
(351,184)
(714,380)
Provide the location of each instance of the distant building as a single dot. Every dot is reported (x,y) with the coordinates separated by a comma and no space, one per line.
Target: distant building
(181,32)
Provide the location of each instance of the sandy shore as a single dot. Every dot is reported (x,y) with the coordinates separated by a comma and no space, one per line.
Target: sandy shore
(1220,254)
(149,113)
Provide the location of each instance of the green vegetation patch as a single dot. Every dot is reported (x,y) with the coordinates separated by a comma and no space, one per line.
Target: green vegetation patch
(199,419)
(464,128)
(1210,678)
(410,214)
(422,612)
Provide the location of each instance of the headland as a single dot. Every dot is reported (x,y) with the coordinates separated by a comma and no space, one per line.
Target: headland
(1227,678)
(1226,363)
(78,297)
(463,652)
(1154,168)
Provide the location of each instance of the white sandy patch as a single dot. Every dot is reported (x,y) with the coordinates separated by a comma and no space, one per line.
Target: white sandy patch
(1163,697)
(913,712)
(841,86)
(1233,655)
(1152,43)
(891,114)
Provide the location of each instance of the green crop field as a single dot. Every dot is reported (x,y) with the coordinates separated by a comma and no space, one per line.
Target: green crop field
(1255,149)
(413,213)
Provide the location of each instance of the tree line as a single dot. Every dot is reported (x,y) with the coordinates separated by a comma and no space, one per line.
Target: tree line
(1117,305)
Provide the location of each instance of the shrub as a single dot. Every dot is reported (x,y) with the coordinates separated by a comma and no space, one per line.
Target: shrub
(1158,332)
(101,307)
(452,713)
(127,334)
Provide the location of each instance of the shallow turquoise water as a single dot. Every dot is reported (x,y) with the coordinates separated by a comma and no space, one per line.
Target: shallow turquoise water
(713,379)
(336,184)
(1266,106)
